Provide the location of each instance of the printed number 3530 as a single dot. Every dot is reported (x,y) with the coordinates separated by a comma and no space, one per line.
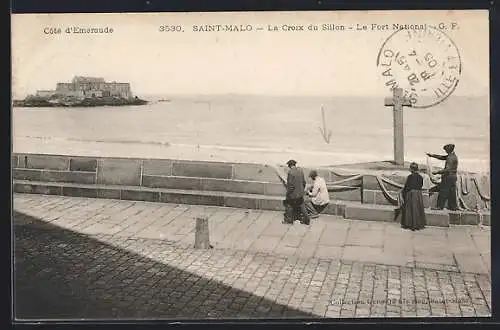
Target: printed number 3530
(171,28)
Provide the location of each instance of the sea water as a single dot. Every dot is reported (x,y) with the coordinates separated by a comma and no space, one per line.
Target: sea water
(258,129)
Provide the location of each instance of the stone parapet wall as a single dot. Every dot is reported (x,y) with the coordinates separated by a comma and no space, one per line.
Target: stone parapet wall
(247,186)
(345,209)
(209,178)
(154,173)
(165,173)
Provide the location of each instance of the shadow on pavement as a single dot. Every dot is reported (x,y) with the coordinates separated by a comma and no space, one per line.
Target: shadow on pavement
(67,275)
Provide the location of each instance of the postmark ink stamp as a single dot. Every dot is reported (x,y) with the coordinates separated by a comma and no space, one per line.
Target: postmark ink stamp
(425,63)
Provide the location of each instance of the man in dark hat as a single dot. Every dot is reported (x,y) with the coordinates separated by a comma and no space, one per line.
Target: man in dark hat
(447,187)
(295,185)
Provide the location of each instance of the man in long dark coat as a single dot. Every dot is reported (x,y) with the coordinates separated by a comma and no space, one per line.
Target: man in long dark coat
(447,187)
(295,191)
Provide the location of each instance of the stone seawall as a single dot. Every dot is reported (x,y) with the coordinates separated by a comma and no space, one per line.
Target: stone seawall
(164,173)
(251,186)
(152,173)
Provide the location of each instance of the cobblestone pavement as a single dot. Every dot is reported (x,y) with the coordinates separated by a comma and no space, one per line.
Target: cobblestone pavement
(65,270)
(458,248)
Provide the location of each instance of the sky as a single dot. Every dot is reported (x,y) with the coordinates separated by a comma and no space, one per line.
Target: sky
(255,62)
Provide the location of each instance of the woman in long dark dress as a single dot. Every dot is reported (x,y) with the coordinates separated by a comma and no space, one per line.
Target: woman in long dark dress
(412,210)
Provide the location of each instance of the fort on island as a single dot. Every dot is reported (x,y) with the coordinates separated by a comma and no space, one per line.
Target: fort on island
(83,87)
(83,92)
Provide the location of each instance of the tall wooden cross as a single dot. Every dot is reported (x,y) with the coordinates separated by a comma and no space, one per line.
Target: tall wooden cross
(397,102)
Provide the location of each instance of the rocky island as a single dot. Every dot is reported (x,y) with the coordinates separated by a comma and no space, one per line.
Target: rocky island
(83,92)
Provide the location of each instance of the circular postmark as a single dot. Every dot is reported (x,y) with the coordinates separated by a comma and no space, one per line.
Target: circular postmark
(424,63)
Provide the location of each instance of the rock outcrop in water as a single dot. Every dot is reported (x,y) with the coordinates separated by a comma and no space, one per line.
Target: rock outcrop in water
(83,92)
(69,101)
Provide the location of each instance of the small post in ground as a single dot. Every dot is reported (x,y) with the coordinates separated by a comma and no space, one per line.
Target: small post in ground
(202,236)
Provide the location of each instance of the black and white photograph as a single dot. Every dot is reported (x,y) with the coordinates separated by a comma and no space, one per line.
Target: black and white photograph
(251,165)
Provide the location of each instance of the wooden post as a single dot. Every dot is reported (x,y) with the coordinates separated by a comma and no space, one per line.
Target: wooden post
(397,102)
(202,236)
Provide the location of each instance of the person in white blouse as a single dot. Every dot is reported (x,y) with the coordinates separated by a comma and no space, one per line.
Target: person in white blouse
(319,198)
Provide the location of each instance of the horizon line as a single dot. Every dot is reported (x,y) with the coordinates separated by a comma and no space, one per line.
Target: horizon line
(291,95)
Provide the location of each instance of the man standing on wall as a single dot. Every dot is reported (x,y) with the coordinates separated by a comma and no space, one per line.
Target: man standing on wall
(447,187)
(295,185)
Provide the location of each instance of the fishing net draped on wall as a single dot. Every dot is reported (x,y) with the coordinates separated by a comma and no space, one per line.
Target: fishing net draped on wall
(473,190)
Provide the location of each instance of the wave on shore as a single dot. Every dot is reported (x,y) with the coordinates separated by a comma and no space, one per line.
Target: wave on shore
(224,152)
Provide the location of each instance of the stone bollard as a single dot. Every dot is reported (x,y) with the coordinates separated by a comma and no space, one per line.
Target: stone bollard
(202,236)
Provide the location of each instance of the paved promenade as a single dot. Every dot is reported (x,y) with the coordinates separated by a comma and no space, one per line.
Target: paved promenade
(79,257)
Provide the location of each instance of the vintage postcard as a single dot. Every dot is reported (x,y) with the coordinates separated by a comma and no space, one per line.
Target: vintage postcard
(251,165)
